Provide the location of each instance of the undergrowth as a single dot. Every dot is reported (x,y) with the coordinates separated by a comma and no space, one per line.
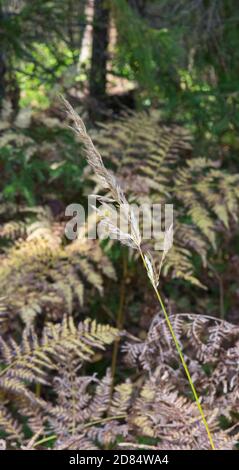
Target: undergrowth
(59,387)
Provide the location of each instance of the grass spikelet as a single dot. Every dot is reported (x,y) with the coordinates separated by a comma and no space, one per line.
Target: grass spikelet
(109,182)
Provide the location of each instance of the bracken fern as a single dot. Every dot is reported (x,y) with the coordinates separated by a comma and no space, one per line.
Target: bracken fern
(156,163)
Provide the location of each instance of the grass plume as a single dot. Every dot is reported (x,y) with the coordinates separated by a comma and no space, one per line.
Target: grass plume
(133,237)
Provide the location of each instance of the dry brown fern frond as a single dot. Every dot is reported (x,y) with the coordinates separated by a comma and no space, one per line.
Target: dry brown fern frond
(210,348)
(13,230)
(55,359)
(85,413)
(161,413)
(43,273)
(3,314)
(81,417)
(155,163)
(10,426)
(32,360)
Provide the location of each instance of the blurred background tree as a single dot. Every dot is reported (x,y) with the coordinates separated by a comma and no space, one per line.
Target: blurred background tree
(179,56)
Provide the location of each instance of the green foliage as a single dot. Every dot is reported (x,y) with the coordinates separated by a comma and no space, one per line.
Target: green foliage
(187,62)
(140,60)
(37,151)
(41,40)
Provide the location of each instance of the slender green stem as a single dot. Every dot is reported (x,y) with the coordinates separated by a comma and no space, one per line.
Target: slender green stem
(38,390)
(170,326)
(87,425)
(45,439)
(104,420)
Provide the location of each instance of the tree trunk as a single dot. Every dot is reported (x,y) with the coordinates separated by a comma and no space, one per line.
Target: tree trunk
(97,82)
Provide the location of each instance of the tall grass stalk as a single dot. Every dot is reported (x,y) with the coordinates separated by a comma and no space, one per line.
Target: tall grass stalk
(133,238)
(170,326)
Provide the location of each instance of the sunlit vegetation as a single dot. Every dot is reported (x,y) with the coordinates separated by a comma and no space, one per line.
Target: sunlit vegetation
(106,345)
